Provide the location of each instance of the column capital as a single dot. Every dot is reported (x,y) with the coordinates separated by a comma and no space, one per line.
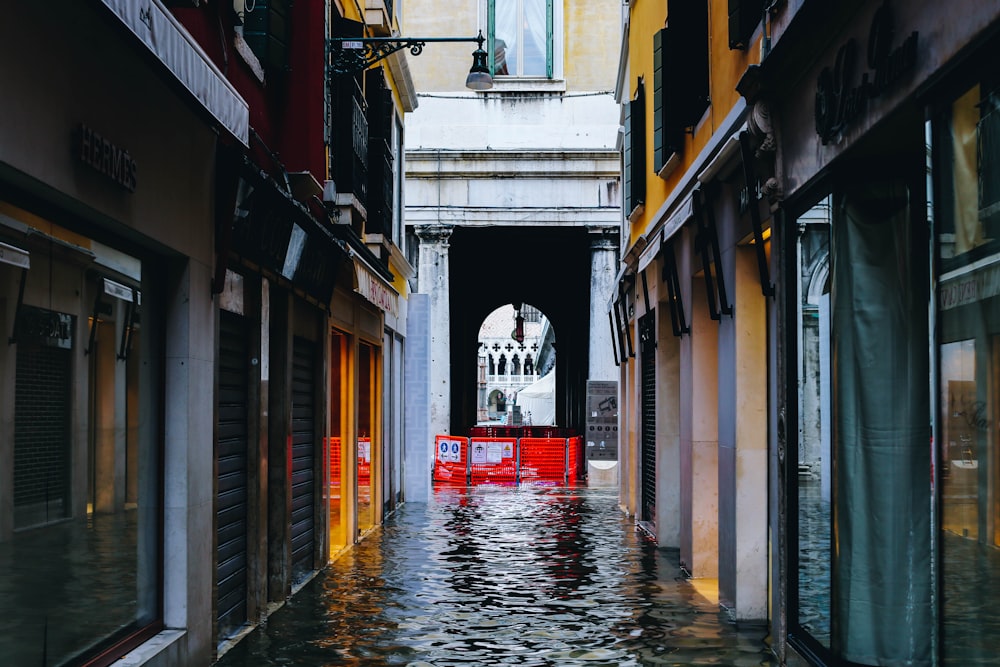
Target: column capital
(434,233)
(603,238)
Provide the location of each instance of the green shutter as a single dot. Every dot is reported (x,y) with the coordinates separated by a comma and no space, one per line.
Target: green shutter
(639,147)
(491,8)
(627,159)
(659,156)
(549,38)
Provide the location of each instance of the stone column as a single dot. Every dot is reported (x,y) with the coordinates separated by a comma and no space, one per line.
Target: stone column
(743,445)
(603,267)
(433,280)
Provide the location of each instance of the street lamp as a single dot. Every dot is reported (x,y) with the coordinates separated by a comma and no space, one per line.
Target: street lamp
(350,55)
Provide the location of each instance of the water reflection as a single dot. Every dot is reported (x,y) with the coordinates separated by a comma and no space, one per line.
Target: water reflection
(502,577)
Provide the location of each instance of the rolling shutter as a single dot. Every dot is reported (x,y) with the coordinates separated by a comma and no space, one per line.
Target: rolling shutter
(303,454)
(231,474)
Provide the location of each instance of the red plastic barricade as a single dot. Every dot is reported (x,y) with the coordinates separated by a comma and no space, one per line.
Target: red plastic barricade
(574,459)
(543,460)
(493,461)
(451,460)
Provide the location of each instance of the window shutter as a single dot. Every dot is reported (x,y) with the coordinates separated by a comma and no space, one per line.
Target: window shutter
(267,31)
(491,8)
(627,159)
(639,147)
(659,154)
(744,17)
(549,38)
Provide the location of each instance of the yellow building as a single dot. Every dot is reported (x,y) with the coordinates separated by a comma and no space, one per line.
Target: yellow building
(693,310)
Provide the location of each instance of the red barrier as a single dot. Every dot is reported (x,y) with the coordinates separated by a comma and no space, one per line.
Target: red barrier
(364,461)
(543,460)
(451,460)
(574,470)
(493,461)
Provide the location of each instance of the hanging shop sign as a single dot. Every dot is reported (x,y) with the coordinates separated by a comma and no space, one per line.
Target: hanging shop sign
(375,290)
(46,327)
(841,96)
(106,158)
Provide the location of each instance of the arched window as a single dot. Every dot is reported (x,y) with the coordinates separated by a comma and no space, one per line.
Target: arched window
(515,365)
(502,366)
(529,365)
(493,366)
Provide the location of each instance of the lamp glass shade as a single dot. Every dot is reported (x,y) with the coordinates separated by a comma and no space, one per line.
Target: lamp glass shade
(479,76)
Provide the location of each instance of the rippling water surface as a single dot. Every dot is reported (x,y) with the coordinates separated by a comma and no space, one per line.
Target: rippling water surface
(513,576)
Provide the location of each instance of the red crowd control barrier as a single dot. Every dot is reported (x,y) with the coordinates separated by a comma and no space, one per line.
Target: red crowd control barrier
(451,460)
(335,460)
(574,459)
(493,461)
(543,460)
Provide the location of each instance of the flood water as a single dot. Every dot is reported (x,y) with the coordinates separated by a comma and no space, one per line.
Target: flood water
(511,576)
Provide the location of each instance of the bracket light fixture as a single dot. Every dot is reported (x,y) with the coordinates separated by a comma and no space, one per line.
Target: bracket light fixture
(350,55)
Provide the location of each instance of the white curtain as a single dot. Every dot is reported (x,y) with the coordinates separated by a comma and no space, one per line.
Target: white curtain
(505,43)
(535,51)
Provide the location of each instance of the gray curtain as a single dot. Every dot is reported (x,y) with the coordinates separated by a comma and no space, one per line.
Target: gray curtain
(881,569)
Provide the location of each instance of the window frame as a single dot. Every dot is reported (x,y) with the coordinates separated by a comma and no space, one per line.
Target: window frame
(551,68)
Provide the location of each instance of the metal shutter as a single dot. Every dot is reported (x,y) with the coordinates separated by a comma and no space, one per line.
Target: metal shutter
(303,454)
(231,474)
(648,361)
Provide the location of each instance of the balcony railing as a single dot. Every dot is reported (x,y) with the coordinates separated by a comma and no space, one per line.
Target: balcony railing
(510,380)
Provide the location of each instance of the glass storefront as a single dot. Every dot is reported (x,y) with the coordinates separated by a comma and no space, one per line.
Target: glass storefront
(860,497)
(966,168)
(339,397)
(367,374)
(814,470)
(79,499)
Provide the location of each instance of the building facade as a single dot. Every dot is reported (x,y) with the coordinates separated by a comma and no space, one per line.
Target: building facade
(804,309)
(512,192)
(207,312)
(691,313)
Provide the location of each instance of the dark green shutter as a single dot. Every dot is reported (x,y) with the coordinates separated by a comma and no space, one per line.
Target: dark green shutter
(659,155)
(267,29)
(627,158)
(744,17)
(549,38)
(491,30)
(639,147)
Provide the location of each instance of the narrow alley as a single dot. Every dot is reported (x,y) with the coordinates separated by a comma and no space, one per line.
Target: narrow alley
(508,576)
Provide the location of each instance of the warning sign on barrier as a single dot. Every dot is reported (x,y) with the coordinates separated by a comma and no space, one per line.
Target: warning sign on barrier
(451,463)
(488,463)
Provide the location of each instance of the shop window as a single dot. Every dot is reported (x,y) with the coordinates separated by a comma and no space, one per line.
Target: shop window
(520,37)
(340,345)
(861,557)
(367,441)
(966,176)
(80,436)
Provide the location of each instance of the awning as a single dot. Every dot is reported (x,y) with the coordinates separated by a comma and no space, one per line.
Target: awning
(374,289)
(186,62)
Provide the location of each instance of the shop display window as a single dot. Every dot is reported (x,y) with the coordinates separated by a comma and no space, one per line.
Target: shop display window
(965,143)
(80,492)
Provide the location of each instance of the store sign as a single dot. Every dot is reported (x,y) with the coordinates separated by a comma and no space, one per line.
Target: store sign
(375,290)
(47,327)
(14,256)
(970,288)
(841,96)
(105,157)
